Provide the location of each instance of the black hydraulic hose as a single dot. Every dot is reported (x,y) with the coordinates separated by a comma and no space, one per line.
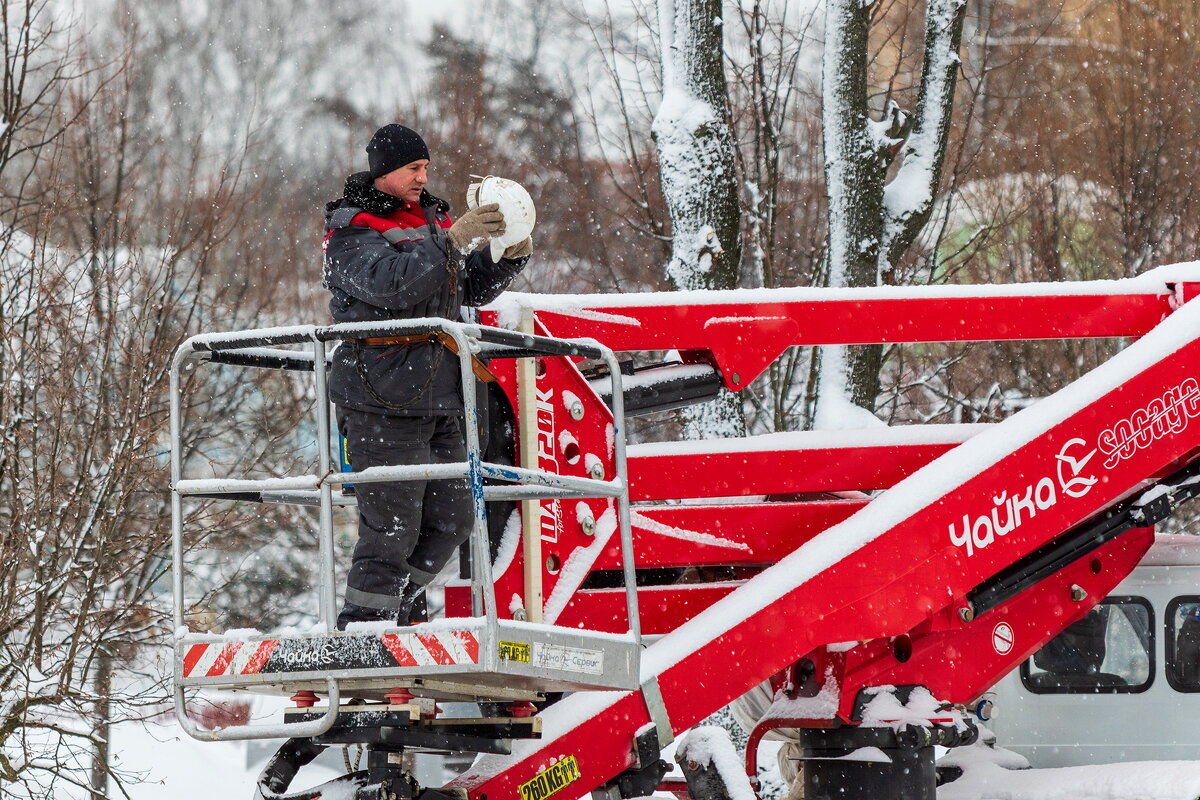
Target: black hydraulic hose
(1136,512)
(277,776)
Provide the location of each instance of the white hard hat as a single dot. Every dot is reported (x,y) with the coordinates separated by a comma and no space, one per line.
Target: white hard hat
(515,204)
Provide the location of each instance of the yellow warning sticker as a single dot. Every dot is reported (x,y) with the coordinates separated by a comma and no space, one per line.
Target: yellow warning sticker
(514,651)
(556,777)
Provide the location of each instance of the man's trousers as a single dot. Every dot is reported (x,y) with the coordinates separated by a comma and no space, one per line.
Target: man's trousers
(407,530)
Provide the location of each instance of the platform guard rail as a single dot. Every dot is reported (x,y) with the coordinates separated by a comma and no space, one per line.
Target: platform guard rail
(264,348)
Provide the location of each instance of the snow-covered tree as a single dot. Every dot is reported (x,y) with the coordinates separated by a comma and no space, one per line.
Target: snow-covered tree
(103,271)
(873,220)
(697,164)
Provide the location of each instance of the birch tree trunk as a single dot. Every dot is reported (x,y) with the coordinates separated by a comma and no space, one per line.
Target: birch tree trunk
(102,724)
(697,166)
(872,224)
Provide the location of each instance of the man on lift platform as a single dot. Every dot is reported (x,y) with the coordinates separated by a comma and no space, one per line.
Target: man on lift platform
(393,252)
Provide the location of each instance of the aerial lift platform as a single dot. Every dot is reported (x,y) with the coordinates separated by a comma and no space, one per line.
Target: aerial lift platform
(911,562)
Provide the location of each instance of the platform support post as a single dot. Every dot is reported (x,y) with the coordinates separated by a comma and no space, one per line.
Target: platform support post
(327,579)
(531,510)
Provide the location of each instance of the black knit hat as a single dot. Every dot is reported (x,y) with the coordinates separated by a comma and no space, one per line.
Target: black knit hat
(392,147)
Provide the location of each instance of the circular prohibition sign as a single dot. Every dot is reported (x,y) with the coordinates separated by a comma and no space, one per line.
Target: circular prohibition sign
(1002,638)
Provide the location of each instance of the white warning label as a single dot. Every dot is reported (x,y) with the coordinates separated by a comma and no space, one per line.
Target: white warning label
(568,659)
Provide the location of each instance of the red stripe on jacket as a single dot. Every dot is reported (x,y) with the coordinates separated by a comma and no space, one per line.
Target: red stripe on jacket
(409,215)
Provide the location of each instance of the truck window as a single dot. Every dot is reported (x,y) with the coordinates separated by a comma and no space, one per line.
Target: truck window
(1183,643)
(1111,650)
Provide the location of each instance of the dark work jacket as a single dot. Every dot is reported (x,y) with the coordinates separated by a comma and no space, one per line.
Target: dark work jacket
(398,264)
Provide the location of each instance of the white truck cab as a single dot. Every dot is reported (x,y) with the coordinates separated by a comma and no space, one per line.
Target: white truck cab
(1122,684)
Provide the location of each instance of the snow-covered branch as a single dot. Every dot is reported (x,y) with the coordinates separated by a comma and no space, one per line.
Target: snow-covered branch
(909,197)
(871,224)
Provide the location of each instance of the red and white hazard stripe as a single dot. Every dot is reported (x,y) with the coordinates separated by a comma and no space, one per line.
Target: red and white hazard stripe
(228,658)
(442,648)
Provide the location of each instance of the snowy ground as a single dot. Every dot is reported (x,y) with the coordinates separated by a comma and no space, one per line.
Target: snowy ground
(176,766)
(166,763)
(1138,780)
(172,764)
(988,774)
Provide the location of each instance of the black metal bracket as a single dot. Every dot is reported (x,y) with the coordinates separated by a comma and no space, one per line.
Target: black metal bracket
(910,736)
(383,779)
(396,728)
(643,777)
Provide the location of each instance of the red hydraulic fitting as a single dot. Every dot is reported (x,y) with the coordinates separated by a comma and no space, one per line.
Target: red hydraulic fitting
(304,699)
(399,696)
(521,710)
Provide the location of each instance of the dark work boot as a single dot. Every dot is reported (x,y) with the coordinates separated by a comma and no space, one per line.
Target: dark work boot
(412,604)
(353,613)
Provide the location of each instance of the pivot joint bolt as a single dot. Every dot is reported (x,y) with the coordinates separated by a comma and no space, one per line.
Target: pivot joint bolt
(966,613)
(1078,593)
(588,524)
(576,410)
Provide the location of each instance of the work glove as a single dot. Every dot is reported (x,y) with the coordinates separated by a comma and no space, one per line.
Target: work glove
(473,229)
(520,249)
